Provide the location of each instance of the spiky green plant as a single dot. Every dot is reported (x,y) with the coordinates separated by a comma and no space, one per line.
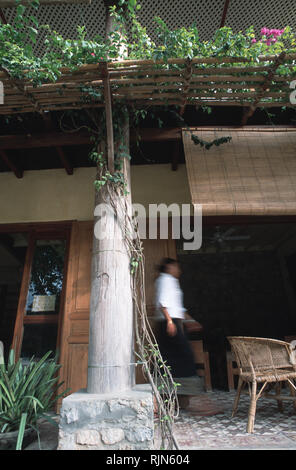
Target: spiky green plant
(27,393)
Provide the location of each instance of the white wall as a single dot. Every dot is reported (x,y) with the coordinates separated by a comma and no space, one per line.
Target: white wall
(52,195)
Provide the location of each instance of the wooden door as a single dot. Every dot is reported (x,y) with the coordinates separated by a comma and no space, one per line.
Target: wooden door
(74,331)
(74,334)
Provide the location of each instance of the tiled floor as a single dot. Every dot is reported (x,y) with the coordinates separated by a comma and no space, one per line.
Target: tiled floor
(195,429)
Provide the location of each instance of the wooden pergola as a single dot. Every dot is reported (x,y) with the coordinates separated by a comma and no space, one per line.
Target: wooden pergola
(211,81)
(214,81)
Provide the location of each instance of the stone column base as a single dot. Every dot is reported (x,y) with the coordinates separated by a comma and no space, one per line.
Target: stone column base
(123,421)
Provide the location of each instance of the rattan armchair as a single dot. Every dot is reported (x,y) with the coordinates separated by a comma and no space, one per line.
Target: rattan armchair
(263,361)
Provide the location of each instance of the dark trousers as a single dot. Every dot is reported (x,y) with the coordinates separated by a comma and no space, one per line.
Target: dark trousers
(176,350)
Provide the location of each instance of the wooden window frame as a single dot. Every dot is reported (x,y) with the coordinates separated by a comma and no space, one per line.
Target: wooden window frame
(38,231)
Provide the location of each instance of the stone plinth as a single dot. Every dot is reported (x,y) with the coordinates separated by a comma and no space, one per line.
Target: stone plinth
(121,421)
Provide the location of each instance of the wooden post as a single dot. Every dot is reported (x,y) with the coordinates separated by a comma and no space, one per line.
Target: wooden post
(224,14)
(248,113)
(110,356)
(109,120)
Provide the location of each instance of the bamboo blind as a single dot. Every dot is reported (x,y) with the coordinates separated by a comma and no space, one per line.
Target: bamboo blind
(254,174)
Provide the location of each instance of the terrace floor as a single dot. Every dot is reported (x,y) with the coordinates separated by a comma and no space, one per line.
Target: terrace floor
(197,428)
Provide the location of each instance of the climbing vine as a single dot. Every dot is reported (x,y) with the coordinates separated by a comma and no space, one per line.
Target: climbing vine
(128,39)
(147,352)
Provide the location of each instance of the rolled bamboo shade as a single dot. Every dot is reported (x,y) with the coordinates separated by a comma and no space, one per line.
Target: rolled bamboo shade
(254,174)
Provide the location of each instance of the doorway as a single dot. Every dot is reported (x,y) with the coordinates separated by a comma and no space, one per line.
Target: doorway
(33,265)
(241,282)
(13,249)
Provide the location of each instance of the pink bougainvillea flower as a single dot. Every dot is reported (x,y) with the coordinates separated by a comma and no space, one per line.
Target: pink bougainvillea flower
(254,41)
(276,32)
(271,34)
(93,54)
(281,31)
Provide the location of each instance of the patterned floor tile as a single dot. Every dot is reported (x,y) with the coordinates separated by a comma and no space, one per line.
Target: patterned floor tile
(273,430)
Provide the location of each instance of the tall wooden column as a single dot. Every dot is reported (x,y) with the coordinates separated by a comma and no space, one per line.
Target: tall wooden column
(110,356)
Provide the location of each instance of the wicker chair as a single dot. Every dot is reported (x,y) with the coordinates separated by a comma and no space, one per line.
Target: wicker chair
(263,361)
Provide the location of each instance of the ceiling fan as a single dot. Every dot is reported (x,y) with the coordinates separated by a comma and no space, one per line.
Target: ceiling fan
(221,237)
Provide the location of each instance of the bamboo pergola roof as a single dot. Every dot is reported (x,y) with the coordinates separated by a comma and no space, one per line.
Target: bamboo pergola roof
(212,81)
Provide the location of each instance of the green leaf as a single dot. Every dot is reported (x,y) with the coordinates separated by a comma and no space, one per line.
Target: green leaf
(29,389)
(21,432)
(34,20)
(20,10)
(8,398)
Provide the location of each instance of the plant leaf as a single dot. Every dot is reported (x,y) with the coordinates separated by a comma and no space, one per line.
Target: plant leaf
(21,432)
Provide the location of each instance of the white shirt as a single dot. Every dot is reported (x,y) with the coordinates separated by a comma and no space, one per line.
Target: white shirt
(169,295)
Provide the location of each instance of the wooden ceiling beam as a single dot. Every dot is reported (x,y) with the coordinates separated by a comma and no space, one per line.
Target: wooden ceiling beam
(65,161)
(49,127)
(44,139)
(17,171)
(61,139)
(158,135)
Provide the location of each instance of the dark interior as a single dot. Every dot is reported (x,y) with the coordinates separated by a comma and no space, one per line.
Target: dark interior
(13,248)
(46,280)
(241,282)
